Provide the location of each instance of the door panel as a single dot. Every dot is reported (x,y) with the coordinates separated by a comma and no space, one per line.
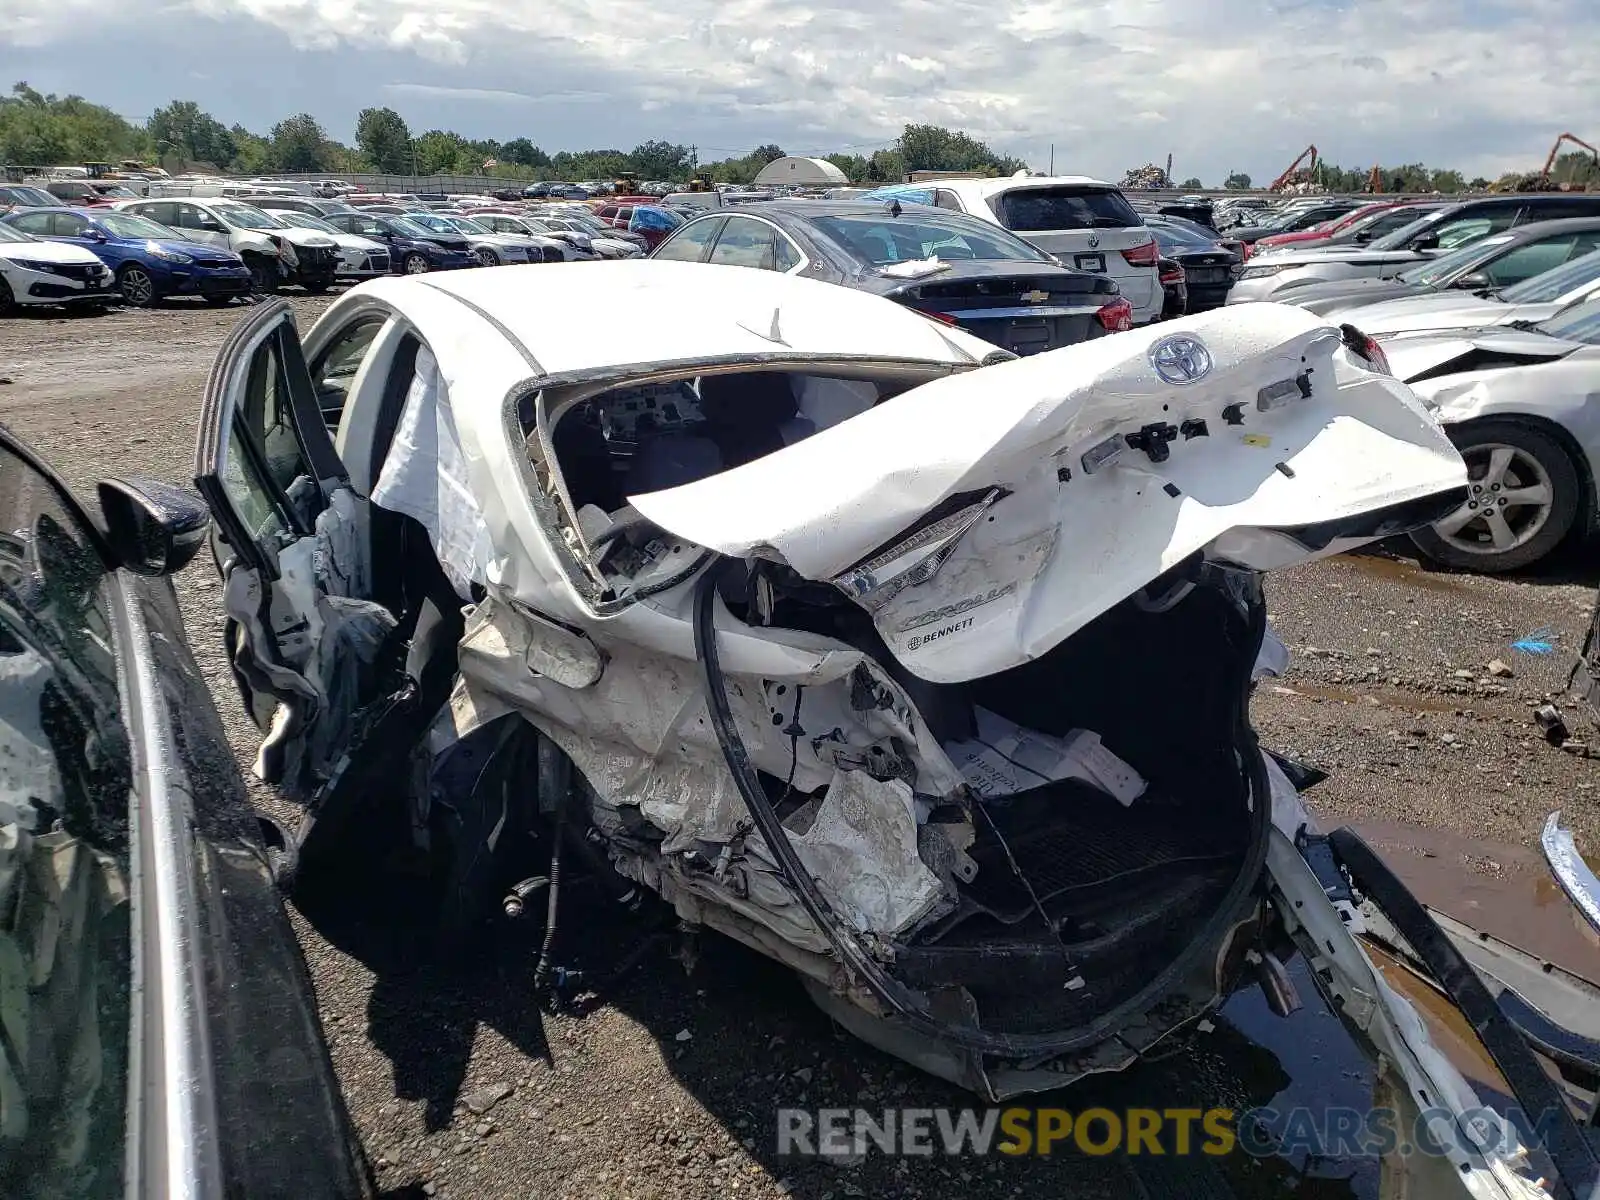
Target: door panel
(292,546)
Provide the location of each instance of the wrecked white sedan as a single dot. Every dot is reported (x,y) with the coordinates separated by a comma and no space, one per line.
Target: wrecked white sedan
(920,669)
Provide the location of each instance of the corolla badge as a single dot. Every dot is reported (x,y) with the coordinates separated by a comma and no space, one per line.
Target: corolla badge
(1180,359)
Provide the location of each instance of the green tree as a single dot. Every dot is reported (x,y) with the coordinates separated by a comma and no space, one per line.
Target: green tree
(767,153)
(1191,184)
(854,166)
(934,148)
(1448,181)
(298,144)
(524,153)
(1238,181)
(1575,167)
(184,129)
(41,130)
(252,153)
(385,139)
(662,160)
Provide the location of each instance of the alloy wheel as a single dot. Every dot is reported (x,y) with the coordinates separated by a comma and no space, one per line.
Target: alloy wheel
(1509,501)
(416,264)
(137,288)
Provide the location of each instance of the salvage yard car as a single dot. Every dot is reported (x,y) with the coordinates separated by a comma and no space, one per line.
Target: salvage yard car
(779,605)
(275,251)
(149,262)
(1279,274)
(359,257)
(951,267)
(1519,405)
(1086,223)
(413,249)
(37,272)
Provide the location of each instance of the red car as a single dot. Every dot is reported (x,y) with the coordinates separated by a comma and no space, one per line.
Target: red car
(650,221)
(1328,229)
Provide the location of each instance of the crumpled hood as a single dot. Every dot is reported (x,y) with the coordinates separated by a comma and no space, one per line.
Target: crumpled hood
(1067,542)
(1416,354)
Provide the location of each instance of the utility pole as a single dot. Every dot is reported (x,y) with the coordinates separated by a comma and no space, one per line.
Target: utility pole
(1052,158)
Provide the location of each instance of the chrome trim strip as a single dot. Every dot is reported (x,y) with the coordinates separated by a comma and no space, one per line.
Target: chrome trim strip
(1037,310)
(1574,875)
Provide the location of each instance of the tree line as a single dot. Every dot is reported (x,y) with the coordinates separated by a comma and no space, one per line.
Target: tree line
(49,130)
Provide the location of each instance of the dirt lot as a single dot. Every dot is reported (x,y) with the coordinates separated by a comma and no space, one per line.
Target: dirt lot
(462,1087)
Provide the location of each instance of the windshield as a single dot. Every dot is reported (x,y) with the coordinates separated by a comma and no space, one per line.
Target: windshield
(128,225)
(8,234)
(302,220)
(1581,324)
(1555,283)
(37,197)
(465,225)
(1436,271)
(881,240)
(246,217)
(412,228)
(1065,206)
(1398,239)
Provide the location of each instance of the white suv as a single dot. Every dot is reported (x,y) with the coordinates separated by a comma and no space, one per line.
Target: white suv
(1086,223)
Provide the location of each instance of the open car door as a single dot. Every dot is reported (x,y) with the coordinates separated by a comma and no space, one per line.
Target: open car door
(305,637)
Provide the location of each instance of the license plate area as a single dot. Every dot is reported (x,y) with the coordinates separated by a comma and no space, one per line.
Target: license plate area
(1207,274)
(1090,262)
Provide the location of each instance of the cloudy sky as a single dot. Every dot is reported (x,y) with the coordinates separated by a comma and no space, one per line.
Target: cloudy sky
(1481,85)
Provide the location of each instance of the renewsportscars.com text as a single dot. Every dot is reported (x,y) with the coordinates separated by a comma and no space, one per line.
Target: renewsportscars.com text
(845,1133)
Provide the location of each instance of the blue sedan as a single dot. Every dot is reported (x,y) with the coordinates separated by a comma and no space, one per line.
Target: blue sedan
(149,261)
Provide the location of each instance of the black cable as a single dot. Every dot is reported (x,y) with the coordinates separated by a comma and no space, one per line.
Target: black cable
(541,973)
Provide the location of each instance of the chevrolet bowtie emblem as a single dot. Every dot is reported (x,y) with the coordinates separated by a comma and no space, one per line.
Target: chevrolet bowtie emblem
(1035,297)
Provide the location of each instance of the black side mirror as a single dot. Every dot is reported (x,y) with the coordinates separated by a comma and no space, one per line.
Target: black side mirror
(1428,241)
(1473,281)
(1362,236)
(153,528)
(93,235)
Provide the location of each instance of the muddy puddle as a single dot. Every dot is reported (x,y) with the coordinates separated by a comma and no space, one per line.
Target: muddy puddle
(1253,1059)
(1398,570)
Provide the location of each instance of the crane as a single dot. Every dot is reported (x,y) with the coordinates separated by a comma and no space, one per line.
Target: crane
(1309,152)
(1375,180)
(1544,175)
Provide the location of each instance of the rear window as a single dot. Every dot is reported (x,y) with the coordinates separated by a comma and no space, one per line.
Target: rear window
(1071,206)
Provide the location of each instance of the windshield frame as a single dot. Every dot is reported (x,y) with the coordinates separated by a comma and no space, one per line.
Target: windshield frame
(1511,294)
(1399,239)
(1465,257)
(1558,326)
(226,212)
(108,220)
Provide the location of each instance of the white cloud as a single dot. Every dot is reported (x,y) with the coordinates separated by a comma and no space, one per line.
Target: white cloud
(1113,83)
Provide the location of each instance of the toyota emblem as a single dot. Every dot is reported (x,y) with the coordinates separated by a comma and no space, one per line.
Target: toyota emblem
(1180,359)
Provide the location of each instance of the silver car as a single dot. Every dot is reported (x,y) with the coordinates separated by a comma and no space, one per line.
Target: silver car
(491,249)
(1519,405)
(1529,302)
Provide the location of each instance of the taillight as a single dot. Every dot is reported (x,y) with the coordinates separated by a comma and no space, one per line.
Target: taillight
(1173,274)
(942,318)
(1248,248)
(1117,316)
(1142,256)
(1366,348)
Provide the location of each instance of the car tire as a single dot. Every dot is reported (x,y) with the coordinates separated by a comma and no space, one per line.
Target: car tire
(137,287)
(8,303)
(415,264)
(486,257)
(1507,460)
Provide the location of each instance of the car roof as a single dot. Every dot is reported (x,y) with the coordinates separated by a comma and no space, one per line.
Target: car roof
(985,188)
(674,312)
(1538,229)
(823,208)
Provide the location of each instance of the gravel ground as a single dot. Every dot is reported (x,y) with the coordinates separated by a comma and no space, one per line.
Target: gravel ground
(1404,686)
